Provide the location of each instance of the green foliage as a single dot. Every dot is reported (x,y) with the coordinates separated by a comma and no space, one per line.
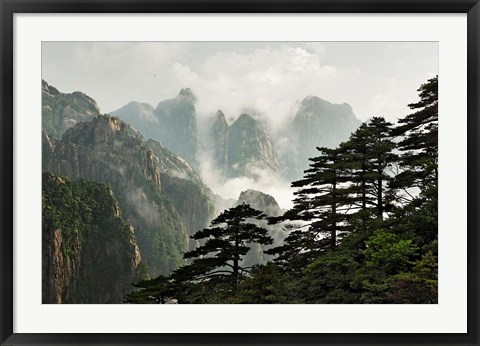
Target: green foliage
(329,279)
(419,144)
(155,291)
(387,253)
(83,217)
(363,236)
(224,245)
(267,284)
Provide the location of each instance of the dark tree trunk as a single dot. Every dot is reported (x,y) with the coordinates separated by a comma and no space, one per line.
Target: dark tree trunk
(334,215)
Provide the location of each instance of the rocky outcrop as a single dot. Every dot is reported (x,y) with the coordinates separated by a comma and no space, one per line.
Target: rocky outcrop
(62,111)
(266,203)
(140,115)
(173,122)
(178,125)
(172,164)
(249,148)
(242,149)
(191,201)
(102,150)
(317,123)
(219,143)
(160,192)
(108,151)
(89,253)
(260,201)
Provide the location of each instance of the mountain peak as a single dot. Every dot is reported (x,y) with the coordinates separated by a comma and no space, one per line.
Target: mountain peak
(315,101)
(187,95)
(61,111)
(261,201)
(313,98)
(245,118)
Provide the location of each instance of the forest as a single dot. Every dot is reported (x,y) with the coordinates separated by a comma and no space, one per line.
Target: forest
(363,228)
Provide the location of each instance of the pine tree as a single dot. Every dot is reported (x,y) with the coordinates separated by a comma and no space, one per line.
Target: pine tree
(419,140)
(154,291)
(369,156)
(226,242)
(321,198)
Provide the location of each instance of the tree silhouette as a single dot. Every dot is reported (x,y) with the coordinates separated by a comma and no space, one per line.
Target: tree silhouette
(225,243)
(419,143)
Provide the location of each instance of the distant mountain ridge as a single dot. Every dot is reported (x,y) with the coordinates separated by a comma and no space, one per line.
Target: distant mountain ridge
(317,123)
(244,147)
(173,122)
(158,191)
(155,181)
(269,206)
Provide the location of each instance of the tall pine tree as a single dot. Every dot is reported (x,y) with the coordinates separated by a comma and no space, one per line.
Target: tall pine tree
(225,244)
(369,158)
(321,200)
(419,140)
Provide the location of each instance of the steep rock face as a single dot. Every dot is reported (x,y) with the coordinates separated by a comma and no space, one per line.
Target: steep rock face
(107,150)
(178,125)
(173,164)
(62,111)
(260,201)
(173,122)
(100,150)
(266,203)
(191,201)
(89,253)
(219,143)
(249,148)
(141,116)
(317,123)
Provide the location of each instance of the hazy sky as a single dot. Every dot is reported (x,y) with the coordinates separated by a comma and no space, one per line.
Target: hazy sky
(375,78)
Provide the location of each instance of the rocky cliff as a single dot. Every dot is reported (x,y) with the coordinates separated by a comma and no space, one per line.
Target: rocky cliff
(242,149)
(89,253)
(317,123)
(266,203)
(219,140)
(249,148)
(107,150)
(62,111)
(173,122)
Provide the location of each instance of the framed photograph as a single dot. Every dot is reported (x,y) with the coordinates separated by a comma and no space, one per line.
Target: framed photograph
(242,173)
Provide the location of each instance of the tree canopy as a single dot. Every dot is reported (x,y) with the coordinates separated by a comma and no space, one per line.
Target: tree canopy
(363,227)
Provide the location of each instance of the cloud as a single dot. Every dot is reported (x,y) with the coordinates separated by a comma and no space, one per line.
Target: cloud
(230,188)
(265,80)
(264,77)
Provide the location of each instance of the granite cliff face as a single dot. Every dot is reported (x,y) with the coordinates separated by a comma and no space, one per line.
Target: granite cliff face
(109,151)
(242,149)
(173,122)
(266,203)
(317,123)
(260,201)
(62,111)
(219,143)
(89,253)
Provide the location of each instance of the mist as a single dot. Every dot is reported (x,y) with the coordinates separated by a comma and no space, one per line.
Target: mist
(230,188)
(375,78)
(264,79)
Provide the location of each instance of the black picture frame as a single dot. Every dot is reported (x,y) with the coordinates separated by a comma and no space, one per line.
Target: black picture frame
(9,7)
